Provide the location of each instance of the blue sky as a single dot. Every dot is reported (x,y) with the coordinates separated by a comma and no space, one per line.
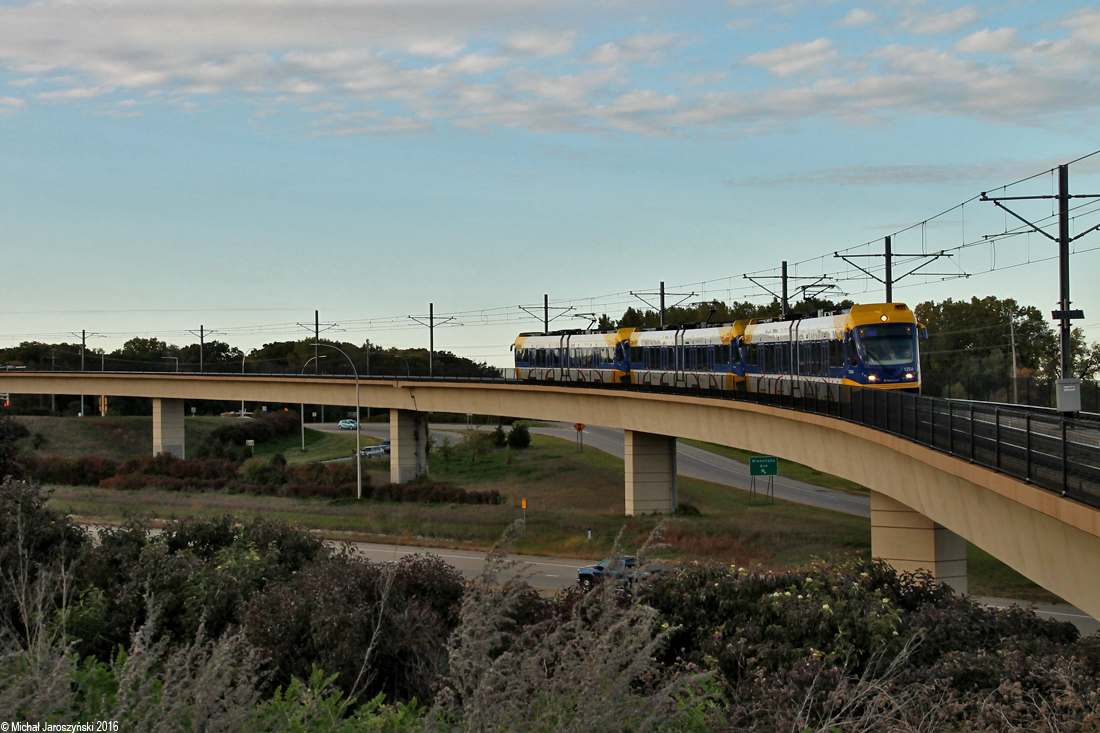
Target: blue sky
(240,163)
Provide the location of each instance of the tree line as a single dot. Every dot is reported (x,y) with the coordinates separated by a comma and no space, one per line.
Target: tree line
(279,357)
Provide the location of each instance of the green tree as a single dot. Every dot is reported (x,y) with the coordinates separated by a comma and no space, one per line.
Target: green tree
(974,338)
(519,438)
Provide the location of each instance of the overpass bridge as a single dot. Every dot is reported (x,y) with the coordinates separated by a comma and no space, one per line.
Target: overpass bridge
(1022,484)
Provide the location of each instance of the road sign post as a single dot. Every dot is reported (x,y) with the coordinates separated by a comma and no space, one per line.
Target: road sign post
(763,466)
(579,427)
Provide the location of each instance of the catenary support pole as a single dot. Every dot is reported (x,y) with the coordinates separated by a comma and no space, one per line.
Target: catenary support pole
(783,301)
(662,304)
(889,274)
(1065,327)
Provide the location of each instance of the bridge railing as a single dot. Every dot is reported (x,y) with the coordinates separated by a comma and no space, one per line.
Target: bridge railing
(1056,453)
(1060,454)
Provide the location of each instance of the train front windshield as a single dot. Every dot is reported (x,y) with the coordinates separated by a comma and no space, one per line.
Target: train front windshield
(889,344)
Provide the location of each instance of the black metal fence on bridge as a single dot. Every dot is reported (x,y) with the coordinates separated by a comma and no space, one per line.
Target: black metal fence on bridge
(1027,391)
(1038,446)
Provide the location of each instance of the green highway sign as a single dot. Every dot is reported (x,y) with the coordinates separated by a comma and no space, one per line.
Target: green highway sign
(763,466)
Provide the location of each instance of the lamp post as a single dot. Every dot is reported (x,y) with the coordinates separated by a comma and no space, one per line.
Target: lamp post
(243,356)
(302,419)
(408,372)
(358,439)
(175,358)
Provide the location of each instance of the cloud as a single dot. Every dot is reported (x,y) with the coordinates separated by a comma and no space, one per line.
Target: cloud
(884,175)
(413,66)
(12,102)
(795,58)
(929,23)
(74,93)
(1001,40)
(542,45)
(858,17)
(645,48)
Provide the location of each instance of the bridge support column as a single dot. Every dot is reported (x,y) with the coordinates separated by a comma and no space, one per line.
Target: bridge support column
(909,541)
(650,473)
(408,445)
(168,427)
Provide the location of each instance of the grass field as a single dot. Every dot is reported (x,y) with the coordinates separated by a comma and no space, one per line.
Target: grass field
(320,446)
(567,494)
(117,438)
(790,469)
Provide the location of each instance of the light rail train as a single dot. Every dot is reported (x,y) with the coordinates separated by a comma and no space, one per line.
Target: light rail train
(873,345)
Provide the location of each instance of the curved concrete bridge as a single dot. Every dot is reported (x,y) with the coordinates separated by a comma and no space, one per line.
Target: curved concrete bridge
(924,503)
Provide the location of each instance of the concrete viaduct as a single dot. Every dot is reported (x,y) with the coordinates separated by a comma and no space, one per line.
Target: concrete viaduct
(925,504)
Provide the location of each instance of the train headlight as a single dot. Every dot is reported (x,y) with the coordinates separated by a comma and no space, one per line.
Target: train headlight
(872,378)
(909,375)
(884,318)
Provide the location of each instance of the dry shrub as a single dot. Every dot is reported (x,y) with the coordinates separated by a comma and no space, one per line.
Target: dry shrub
(589,669)
(378,628)
(704,545)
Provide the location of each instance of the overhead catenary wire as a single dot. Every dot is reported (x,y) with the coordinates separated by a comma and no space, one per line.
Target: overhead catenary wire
(729,288)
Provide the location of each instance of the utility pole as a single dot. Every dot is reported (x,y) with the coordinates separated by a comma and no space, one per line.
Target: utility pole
(1015,369)
(1069,389)
(888,255)
(316,349)
(546,319)
(431,334)
(201,333)
(782,296)
(783,301)
(1065,324)
(660,307)
(83,348)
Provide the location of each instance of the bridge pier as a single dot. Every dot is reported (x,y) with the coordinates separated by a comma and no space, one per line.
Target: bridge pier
(910,541)
(650,473)
(408,445)
(168,427)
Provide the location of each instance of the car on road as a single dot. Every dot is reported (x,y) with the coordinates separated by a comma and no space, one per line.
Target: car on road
(619,567)
(347,425)
(626,568)
(385,446)
(372,451)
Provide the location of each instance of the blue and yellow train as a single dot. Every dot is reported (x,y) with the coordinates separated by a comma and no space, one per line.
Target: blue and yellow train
(865,345)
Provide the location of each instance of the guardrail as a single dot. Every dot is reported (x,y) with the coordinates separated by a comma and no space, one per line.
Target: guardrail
(1056,453)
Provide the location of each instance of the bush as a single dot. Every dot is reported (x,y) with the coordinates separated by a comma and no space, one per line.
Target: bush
(519,437)
(228,441)
(199,571)
(426,493)
(86,471)
(379,628)
(36,545)
(260,472)
(500,438)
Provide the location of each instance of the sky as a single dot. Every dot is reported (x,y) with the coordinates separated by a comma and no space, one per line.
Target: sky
(239,164)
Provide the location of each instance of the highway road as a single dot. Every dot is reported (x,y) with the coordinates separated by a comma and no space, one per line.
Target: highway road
(691,462)
(550,574)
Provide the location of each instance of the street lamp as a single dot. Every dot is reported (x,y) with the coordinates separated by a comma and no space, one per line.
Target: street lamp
(303,415)
(176,358)
(408,372)
(358,439)
(243,356)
